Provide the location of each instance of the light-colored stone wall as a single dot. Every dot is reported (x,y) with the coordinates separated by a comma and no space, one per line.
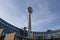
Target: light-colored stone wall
(1,30)
(10,36)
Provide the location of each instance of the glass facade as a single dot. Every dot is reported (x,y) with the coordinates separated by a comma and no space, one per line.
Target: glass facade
(8,28)
(47,35)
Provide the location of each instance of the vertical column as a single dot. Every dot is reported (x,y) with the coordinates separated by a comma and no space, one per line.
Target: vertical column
(29,24)
(29,9)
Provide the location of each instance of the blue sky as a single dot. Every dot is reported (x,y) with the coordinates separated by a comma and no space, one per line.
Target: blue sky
(45,16)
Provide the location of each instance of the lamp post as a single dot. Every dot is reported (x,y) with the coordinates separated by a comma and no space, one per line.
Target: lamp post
(29,10)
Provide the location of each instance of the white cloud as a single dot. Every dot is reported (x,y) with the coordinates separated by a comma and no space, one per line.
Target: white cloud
(43,16)
(41,13)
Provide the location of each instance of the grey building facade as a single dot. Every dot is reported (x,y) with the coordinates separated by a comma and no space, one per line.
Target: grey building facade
(8,28)
(52,34)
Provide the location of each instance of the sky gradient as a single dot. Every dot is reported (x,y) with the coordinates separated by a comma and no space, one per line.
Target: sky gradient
(45,16)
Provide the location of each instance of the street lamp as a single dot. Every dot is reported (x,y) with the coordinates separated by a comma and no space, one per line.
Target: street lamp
(29,10)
